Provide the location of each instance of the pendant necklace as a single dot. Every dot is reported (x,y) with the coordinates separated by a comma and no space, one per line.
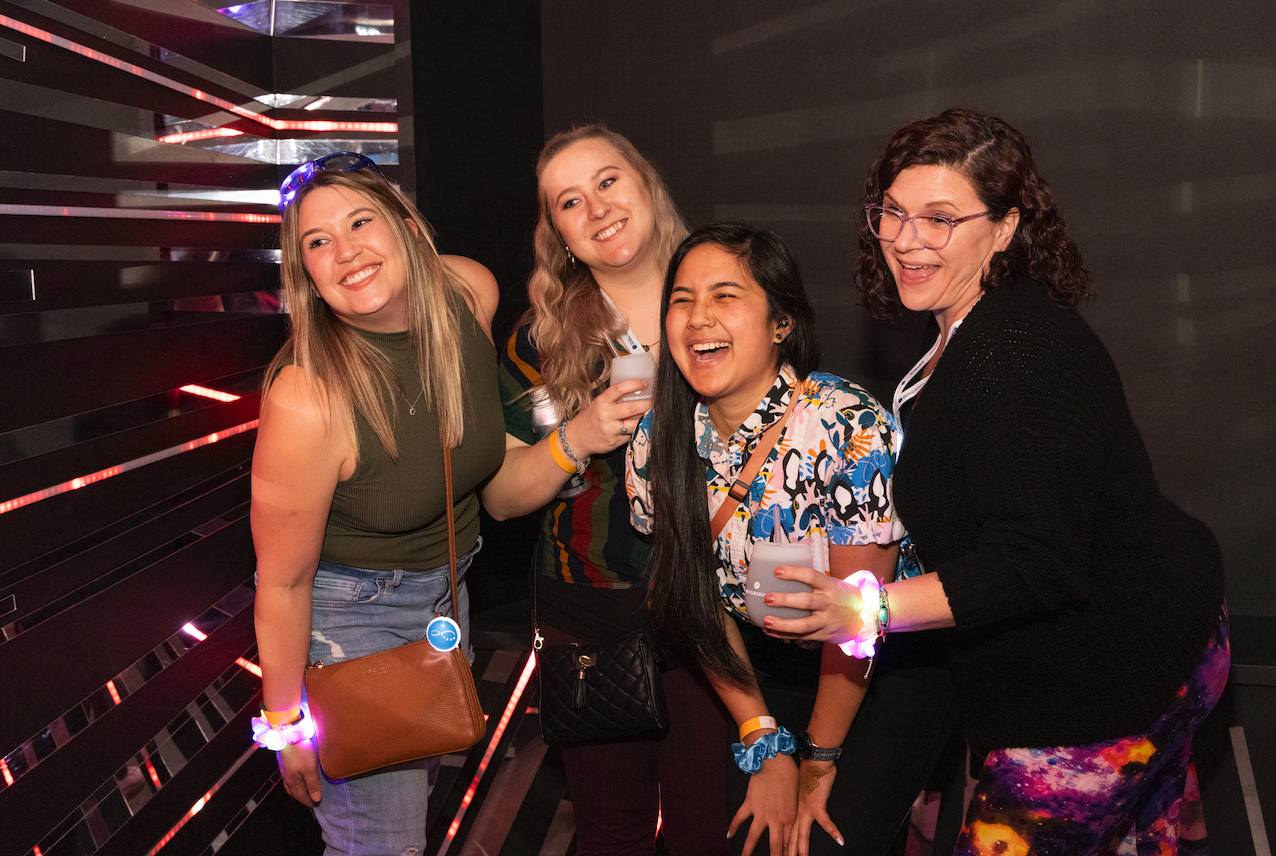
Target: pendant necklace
(412,404)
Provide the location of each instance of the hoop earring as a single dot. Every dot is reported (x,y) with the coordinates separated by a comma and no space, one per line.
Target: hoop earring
(570,257)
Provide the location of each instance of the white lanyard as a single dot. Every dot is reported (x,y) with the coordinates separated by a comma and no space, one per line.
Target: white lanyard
(911,385)
(628,339)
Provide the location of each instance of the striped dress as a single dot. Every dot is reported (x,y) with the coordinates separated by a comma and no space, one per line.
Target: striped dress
(585,540)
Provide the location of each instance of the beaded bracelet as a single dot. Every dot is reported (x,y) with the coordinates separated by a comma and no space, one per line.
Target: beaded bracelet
(875,616)
(750,758)
(883,612)
(275,736)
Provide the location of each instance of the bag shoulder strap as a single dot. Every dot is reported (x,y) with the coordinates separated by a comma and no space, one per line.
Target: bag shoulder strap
(451,525)
(740,489)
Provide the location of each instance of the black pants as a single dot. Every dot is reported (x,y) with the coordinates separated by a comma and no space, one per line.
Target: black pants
(898,735)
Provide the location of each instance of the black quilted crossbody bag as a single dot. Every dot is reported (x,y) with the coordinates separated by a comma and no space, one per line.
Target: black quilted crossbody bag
(600,691)
(610,690)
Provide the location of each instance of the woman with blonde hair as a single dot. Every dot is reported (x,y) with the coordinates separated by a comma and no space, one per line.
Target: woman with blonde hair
(606,231)
(390,357)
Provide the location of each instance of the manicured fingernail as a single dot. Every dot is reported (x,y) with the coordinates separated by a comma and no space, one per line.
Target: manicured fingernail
(841,843)
(767,622)
(780,572)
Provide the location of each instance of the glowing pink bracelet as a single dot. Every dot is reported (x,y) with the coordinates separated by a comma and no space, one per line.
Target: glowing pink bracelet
(863,644)
(276,737)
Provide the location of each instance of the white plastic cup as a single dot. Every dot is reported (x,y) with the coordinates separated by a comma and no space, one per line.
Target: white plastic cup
(767,556)
(635,367)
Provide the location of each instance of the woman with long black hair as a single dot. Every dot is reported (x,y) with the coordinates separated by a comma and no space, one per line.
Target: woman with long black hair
(738,356)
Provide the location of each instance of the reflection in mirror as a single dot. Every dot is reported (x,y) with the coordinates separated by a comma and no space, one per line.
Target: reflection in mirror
(207,715)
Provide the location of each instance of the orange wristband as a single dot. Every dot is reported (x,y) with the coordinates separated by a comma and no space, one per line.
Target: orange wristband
(556,452)
(281,717)
(754,724)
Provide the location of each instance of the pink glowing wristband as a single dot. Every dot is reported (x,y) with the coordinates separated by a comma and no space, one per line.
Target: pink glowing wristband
(864,643)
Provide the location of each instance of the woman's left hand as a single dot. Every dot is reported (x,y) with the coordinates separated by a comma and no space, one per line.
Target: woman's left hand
(834,605)
(815,782)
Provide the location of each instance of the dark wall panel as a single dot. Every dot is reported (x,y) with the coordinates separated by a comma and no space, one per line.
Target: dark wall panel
(188,29)
(72,284)
(131,265)
(71,376)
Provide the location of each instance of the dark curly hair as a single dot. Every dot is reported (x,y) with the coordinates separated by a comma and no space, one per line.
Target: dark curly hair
(998,163)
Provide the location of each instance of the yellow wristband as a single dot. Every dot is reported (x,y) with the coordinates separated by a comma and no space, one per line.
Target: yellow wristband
(754,724)
(556,452)
(281,717)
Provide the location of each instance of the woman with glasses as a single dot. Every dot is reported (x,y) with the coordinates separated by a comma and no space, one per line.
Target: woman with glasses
(1090,635)
(390,357)
(606,230)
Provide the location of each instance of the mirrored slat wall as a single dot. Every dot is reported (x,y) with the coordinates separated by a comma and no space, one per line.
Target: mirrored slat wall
(139,304)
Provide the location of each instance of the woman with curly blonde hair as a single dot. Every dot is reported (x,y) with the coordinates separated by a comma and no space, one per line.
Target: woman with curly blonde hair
(606,231)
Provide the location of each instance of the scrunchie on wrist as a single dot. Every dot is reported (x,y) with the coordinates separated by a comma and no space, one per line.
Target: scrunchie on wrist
(750,758)
(275,736)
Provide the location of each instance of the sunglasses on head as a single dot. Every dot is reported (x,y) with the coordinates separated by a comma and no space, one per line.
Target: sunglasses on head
(342,161)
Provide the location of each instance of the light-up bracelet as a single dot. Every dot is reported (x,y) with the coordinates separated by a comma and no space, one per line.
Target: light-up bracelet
(275,737)
(750,758)
(864,642)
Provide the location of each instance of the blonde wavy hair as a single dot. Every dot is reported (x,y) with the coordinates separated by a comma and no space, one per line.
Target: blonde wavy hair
(572,326)
(343,370)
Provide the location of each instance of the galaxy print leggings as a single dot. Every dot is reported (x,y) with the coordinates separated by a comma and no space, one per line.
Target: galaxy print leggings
(1112,798)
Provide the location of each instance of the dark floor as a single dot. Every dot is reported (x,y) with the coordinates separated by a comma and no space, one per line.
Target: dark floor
(517,803)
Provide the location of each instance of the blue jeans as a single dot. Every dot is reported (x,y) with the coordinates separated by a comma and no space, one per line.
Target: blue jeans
(357,612)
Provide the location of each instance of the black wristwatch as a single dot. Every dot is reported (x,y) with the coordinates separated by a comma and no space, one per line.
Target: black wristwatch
(808,751)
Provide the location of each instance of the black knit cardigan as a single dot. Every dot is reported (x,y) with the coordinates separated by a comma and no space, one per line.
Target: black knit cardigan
(1082,597)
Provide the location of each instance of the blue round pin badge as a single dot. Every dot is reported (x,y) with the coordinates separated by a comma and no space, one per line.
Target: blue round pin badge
(444,634)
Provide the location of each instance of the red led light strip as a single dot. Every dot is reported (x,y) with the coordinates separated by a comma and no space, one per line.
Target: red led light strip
(197,94)
(239,661)
(110,472)
(192,136)
(218,395)
(201,802)
(491,750)
(134,214)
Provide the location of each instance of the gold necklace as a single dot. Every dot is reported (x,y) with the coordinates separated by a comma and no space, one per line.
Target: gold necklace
(411,404)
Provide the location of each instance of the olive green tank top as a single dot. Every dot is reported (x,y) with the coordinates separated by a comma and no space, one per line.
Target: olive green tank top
(389,515)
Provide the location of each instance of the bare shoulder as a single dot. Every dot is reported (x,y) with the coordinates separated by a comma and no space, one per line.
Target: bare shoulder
(483,293)
(296,423)
(296,399)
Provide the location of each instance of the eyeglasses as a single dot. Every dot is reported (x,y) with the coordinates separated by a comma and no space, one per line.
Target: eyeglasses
(343,161)
(933,231)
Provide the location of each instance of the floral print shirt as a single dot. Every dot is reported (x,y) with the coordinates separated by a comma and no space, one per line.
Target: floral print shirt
(828,476)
